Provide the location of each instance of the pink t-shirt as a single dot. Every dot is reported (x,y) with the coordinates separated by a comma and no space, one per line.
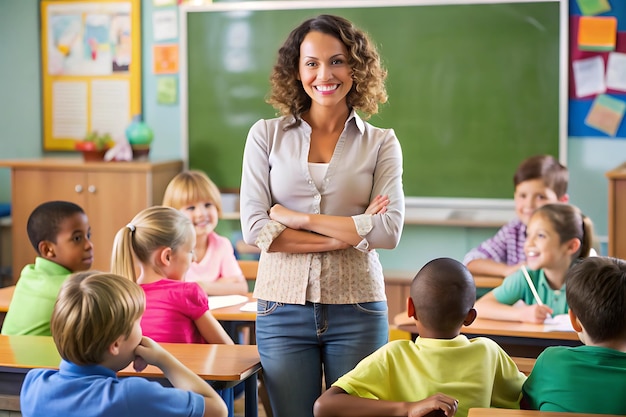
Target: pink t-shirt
(171,309)
(218,261)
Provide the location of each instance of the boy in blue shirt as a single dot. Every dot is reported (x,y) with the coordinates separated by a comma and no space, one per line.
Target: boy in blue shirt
(589,378)
(95,326)
(60,233)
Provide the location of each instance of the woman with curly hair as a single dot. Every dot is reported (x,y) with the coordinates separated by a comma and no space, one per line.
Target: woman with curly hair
(321,190)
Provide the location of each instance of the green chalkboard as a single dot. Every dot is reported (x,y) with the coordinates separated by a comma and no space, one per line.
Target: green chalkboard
(473,89)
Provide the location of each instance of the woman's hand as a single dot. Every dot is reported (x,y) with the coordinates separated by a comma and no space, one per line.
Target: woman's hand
(290,218)
(378,205)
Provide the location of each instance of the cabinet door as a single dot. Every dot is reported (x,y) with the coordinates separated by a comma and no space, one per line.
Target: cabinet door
(113,199)
(33,187)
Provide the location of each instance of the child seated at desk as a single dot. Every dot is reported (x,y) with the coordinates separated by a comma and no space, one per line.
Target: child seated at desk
(59,231)
(441,370)
(161,240)
(95,326)
(215,267)
(591,378)
(538,180)
(558,235)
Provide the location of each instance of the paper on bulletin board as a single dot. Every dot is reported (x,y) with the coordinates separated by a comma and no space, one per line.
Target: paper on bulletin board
(164,25)
(576,54)
(69,109)
(89,38)
(597,33)
(606,114)
(110,107)
(167,90)
(593,7)
(165,59)
(616,71)
(589,76)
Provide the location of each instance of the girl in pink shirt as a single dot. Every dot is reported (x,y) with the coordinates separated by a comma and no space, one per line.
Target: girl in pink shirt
(162,242)
(215,268)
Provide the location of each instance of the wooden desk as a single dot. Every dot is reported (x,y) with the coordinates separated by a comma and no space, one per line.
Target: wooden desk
(234,313)
(521,339)
(517,339)
(222,365)
(500,412)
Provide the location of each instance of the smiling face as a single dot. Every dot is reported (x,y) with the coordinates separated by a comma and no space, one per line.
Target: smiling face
(529,195)
(543,246)
(73,248)
(323,70)
(203,215)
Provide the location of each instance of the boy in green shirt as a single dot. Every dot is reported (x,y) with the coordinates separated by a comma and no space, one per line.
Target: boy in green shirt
(441,371)
(590,378)
(59,231)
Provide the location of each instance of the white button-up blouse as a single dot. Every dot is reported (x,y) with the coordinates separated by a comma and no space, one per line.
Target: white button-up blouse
(367,162)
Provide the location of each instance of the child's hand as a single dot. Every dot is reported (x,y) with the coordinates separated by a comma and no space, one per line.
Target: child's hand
(535,313)
(509,269)
(378,205)
(292,219)
(148,352)
(436,405)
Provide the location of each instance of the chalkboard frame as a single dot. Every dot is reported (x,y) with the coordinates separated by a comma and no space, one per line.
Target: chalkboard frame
(185,9)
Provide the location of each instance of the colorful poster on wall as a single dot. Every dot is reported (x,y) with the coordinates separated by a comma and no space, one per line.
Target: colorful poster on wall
(92,69)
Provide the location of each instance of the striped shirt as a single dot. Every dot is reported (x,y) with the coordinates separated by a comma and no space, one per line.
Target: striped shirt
(507,246)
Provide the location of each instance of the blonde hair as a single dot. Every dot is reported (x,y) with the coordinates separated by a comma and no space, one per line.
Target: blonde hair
(153,228)
(189,187)
(93,309)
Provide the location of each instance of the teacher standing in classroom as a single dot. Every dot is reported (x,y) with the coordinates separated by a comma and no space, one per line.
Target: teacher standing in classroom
(321,190)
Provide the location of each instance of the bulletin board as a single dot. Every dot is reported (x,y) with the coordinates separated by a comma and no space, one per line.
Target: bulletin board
(474,87)
(91,57)
(597,91)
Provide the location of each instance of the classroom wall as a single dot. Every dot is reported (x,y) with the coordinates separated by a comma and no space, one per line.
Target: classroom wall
(20,137)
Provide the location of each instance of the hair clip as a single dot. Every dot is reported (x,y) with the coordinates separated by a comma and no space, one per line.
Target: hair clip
(131,227)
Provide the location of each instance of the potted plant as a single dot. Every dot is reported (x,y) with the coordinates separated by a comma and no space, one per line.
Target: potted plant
(94,145)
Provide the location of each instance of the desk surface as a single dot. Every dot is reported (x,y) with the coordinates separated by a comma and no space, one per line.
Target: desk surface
(210,362)
(504,328)
(6,294)
(499,412)
(517,329)
(234,313)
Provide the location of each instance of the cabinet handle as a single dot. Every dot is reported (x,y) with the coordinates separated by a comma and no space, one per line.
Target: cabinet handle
(91,189)
(78,188)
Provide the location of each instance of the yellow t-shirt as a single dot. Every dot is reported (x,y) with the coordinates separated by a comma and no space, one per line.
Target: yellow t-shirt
(477,372)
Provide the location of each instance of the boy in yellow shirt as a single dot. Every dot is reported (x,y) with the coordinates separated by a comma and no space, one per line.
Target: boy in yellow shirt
(441,370)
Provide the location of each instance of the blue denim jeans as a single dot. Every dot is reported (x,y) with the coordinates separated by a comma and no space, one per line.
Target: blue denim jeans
(299,343)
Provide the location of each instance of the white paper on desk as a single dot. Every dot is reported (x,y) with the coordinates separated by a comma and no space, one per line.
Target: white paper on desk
(221,301)
(589,76)
(616,71)
(558,323)
(249,307)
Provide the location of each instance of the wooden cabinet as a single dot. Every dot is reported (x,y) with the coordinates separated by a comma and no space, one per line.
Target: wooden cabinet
(617,211)
(111,193)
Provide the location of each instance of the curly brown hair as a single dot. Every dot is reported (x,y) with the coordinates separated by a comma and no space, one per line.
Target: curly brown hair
(368,90)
